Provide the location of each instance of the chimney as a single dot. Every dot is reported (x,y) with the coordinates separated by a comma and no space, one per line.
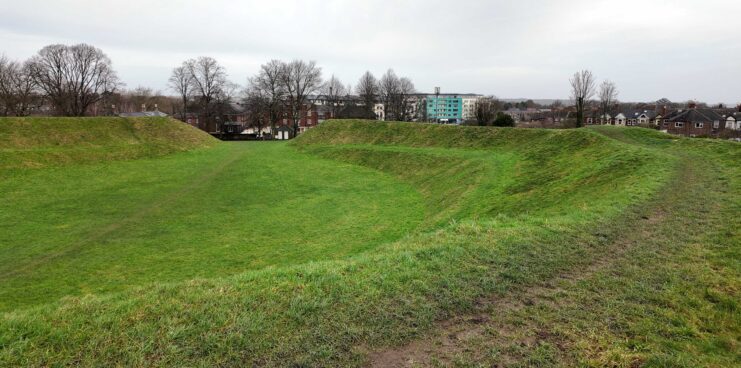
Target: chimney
(144,107)
(692,105)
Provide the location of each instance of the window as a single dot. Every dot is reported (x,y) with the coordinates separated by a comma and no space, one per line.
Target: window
(698,125)
(678,124)
(716,124)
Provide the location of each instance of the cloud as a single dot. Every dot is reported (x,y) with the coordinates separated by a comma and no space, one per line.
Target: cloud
(678,49)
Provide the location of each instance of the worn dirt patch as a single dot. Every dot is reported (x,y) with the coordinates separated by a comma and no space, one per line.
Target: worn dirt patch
(491,317)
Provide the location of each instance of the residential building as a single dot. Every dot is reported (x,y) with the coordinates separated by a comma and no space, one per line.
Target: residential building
(470,101)
(694,122)
(445,108)
(380,111)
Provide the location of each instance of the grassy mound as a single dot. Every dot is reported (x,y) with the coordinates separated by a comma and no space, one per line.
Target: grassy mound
(503,209)
(46,141)
(481,172)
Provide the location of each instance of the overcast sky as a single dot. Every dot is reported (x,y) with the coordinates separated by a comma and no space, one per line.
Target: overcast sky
(679,49)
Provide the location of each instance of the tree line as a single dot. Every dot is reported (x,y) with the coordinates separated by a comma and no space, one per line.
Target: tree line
(72,79)
(281,88)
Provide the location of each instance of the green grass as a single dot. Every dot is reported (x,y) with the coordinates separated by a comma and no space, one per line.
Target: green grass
(665,294)
(43,142)
(439,218)
(85,229)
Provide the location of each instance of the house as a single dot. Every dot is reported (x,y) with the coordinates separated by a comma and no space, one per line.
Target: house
(694,122)
(732,125)
(379,110)
(630,118)
(310,116)
(647,117)
(640,117)
(733,121)
(620,119)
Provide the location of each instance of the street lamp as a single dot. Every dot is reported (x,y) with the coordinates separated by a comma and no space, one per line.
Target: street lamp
(437,104)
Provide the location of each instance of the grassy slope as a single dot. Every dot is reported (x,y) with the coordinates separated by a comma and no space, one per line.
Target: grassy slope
(480,172)
(559,201)
(101,227)
(44,141)
(663,294)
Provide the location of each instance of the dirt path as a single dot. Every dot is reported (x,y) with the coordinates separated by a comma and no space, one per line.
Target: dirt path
(453,337)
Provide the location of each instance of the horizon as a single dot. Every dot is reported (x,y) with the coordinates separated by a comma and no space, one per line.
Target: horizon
(498,49)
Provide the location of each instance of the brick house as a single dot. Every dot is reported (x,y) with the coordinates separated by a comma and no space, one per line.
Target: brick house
(694,122)
(310,116)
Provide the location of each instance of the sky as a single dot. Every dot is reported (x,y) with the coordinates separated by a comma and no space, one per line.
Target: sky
(677,49)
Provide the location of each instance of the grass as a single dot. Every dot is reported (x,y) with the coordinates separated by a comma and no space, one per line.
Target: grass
(42,142)
(661,297)
(486,212)
(85,229)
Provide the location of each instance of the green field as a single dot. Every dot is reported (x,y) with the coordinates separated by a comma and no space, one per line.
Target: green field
(143,242)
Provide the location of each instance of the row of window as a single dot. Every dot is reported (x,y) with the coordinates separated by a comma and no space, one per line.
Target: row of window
(680,124)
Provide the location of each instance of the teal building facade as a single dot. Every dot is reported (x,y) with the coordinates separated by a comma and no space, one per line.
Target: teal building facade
(445,108)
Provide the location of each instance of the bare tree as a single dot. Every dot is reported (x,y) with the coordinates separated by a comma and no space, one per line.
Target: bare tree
(607,96)
(406,92)
(223,101)
(486,110)
(208,80)
(367,90)
(389,87)
(396,93)
(257,106)
(269,83)
(421,112)
(73,77)
(7,69)
(582,89)
(300,79)
(334,91)
(180,81)
(141,97)
(17,88)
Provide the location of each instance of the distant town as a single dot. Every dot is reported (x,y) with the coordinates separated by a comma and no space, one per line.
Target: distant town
(284,99)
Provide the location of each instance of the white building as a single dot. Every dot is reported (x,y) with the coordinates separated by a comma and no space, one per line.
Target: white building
(469,106)
(380,111)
